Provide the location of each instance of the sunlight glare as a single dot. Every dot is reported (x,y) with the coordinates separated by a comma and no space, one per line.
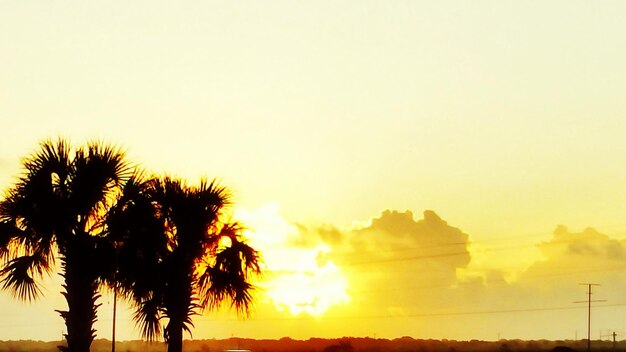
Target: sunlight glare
(295,279)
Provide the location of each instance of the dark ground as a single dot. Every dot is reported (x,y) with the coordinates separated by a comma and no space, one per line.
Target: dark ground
(405,344)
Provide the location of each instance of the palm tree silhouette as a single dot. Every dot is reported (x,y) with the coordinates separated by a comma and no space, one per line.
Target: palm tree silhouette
(58,209)
(177,256)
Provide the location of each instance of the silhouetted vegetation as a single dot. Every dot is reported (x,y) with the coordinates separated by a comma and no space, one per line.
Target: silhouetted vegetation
(160,242)
(404,344)
(58,207)
(178,256)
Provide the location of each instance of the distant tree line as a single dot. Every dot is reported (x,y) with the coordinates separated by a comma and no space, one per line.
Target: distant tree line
(166,246)
(347,344)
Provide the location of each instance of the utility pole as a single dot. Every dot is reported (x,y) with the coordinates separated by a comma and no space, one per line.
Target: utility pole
(612,335)
(588,301)
(114,314)
(614,342)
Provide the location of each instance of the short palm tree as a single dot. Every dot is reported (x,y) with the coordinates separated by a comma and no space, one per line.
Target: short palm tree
(177,256)
(57,210)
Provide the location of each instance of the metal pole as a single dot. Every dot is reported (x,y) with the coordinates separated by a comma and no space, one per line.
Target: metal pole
(114,314)
(589,301)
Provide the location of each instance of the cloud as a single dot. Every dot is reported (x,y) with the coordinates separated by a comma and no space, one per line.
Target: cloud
(588,255)
(430,239)
(397,275)
(398,266)
(395,264)
(393,236)
(309,237)
(544,293)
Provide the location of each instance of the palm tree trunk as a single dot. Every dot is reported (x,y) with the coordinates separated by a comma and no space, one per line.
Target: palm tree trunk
(81,295)
(175,335)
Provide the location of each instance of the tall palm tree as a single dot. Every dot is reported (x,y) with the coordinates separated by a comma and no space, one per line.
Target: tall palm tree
(57,210)
(178,256)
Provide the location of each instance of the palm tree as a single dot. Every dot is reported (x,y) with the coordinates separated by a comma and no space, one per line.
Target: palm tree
(178,257)
(57,210)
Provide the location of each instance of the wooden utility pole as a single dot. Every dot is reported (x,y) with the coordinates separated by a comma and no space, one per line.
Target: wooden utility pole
(588,301)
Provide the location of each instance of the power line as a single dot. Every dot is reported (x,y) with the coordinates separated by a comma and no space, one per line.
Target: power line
(469,242)
(420,315)
(438,255)
(387,316)
(447,285)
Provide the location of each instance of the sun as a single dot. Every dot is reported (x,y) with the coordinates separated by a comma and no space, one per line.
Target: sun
(308,288)
(295,279)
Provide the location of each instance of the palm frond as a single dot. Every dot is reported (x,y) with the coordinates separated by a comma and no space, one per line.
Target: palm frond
(96,171)
(147,318)
(249,258)
(242,300)
(221,286)
(237,258)
(188,322)
(37,202)
(8,233)
(137,230)
(212,193)
(226,276)
(18,276)
(111,155)
(51,157)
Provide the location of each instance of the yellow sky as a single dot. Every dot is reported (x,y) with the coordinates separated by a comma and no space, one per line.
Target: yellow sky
(505,118)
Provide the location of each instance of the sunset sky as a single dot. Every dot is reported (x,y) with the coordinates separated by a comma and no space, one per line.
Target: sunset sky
(436,169)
